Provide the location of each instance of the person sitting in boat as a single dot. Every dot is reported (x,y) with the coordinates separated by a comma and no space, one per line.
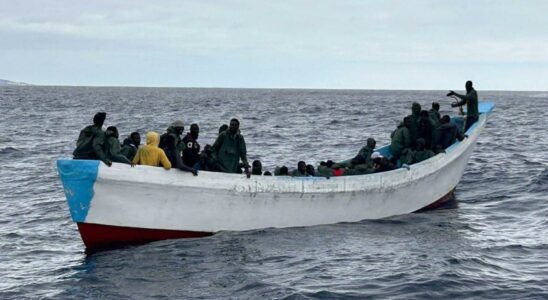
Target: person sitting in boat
(281,171)
(324,170)
(310,170)
(191,152)
(174,158)
(364,155)
(112,146)
(401,138)
(256,167)
(130,145)
(415,117)
(223,128)
(447,134)
(267,173)
(176,129)
(426,128)
(91,141)
(422,153)
(435,114)
(229,148)
(207,162)
(300,171)
(150,154)
(471,101)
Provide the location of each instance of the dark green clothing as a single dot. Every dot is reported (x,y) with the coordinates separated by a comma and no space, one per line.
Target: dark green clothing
(296,173)
(359,170)
(419,156)
(471,101)
(401,139)
(414,129)
(363,157)
(91,144)
(113,151)
(228,149)
(434,117)
(129,151)
(406,156)
(179,144)
(324,171)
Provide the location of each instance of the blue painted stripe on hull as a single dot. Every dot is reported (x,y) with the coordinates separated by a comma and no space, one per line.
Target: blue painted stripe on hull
(78,178)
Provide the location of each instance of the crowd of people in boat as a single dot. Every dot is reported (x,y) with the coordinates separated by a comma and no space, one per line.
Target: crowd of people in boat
(420,135)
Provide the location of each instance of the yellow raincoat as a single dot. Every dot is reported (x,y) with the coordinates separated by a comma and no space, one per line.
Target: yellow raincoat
(150,154)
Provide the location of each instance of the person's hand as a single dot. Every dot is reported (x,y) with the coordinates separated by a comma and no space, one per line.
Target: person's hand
(451,93)
(107,162)
(194,172)
(247,173)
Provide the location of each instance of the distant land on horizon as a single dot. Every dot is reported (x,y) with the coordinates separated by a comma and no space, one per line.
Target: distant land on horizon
(8,82)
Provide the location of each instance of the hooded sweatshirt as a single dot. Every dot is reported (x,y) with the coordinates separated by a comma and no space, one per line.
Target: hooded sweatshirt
(91,144)
(401,139)
(150,154)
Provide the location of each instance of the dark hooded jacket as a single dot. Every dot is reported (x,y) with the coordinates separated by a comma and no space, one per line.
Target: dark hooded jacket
(91,144)
(191,152)
(180,146)
(112,148)
(401,139)
(228,149)
(129,149)
(447,134)
(426,131)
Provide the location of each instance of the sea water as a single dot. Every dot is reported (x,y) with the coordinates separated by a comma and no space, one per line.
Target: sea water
(493,245)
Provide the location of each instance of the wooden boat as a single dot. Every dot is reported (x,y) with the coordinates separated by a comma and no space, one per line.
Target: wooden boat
(122,205)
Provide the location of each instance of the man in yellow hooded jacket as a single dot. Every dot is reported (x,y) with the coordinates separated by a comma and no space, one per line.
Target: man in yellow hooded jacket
(150,154)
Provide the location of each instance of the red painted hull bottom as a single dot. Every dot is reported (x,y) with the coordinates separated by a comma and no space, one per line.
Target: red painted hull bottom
(447,201)
(99,237)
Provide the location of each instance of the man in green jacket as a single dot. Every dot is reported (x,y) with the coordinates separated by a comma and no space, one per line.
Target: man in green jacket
(91,141)
(422,153)
(176,130)
(415,117)
(229,148)
(401,138)
(364,155)
(130,145)
(112,146)
(471,101)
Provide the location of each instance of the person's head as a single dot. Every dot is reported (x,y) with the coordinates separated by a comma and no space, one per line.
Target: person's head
(234,126)
(112,131)
(99,118)
(329,164)
(310,170)
(445,119)
(207,150)
(194,130)
(284,170)
(153,138)
(420,144)
(179,127)
(407,122)
(371,143)
(322,163)
(256,167)
(377,162)
(267,173)
(223,128)
(436,106)
(301,166)
(135,137)
(468,85)
(425,115)
(416,108)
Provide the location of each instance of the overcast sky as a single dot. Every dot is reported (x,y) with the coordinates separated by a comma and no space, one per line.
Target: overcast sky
(501,45)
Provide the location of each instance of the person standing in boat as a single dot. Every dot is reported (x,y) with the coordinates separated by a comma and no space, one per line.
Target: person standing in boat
(191,152)
(229,148)
(415,118)
(91,141)
(471,101)
(401,138)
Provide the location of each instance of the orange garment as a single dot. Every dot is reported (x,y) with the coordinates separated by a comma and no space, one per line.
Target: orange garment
(150,154)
